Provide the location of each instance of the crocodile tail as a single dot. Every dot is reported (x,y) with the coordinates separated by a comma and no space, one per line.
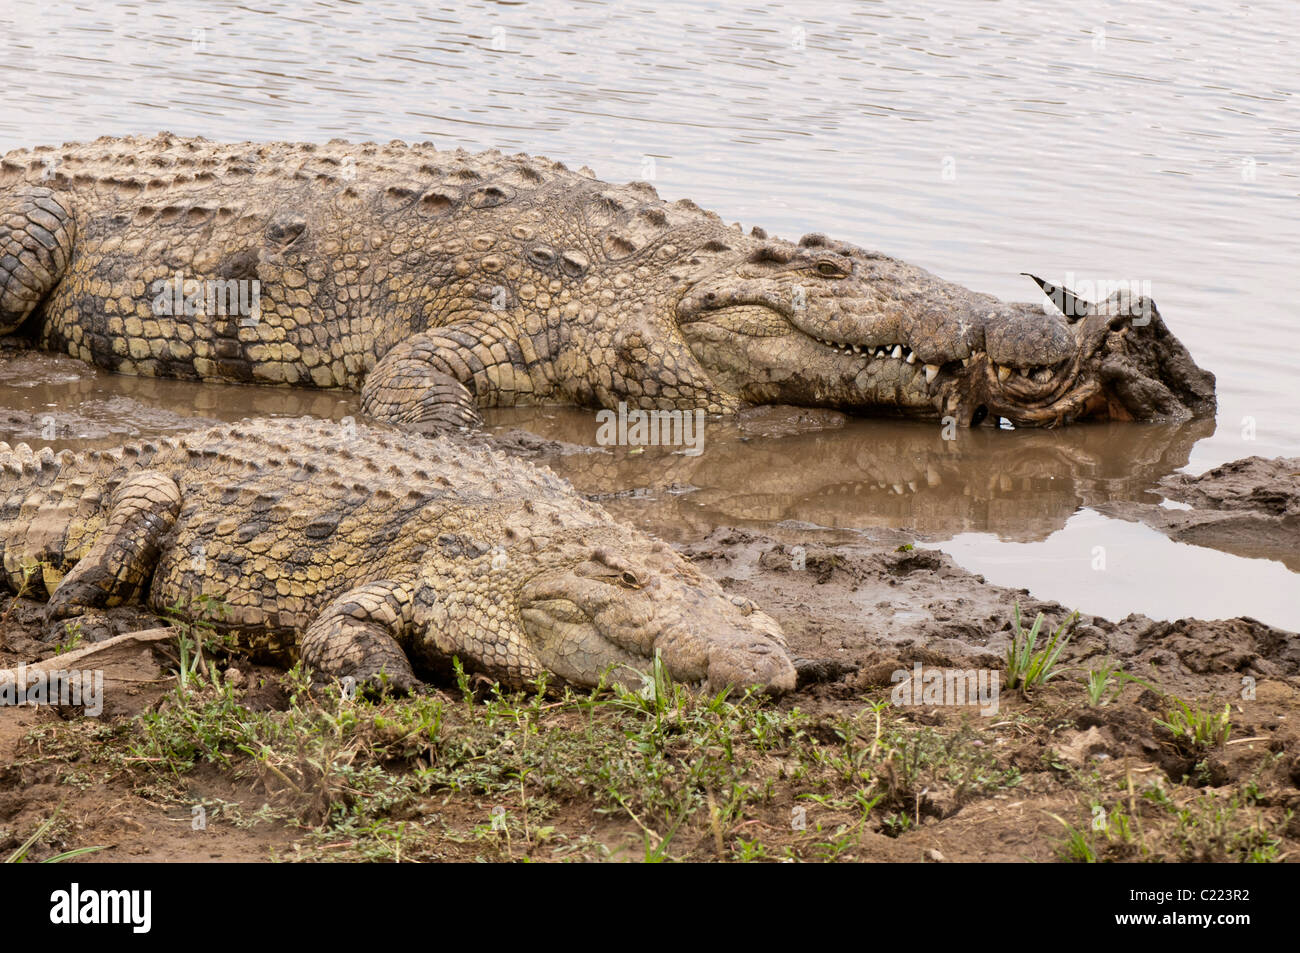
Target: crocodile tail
(36,233)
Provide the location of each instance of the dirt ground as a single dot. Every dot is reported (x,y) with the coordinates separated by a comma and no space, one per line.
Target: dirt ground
(1050,776)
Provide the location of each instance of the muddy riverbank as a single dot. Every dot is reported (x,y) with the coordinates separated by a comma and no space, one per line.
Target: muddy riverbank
(834,526)
(1022,779)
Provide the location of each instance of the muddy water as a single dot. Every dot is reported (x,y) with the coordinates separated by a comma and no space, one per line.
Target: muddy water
(1109,142)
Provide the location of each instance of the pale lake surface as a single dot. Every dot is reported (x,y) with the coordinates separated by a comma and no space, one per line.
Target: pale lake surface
(1149,142)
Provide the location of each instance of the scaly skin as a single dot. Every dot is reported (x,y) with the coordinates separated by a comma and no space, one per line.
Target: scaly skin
(441,282)
(369,551)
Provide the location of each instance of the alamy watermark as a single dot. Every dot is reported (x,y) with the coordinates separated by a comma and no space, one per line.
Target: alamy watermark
(973,687)
(40,687)
(189,296)
(651,428)
(131,908)
(1073,298)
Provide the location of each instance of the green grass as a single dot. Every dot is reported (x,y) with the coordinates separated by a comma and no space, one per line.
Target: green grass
(654,772)
(352,770)
(1211,827)
(1029,667)
(1197,729)
(1104,684)
(667,772)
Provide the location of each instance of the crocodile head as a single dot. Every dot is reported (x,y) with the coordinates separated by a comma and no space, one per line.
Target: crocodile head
(599,602)
(828,324)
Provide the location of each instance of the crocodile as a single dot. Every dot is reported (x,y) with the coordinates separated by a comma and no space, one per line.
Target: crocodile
(440,282)
(371,553)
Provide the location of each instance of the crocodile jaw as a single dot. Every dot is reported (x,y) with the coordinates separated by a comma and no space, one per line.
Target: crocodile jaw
(1119,362)
(610,610)
(841,350)
(793,368)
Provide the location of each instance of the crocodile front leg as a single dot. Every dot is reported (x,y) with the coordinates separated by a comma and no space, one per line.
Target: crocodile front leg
(359,635)
(122,559)
(437,380)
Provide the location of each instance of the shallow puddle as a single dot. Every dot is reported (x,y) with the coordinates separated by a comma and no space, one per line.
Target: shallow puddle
(1112,567)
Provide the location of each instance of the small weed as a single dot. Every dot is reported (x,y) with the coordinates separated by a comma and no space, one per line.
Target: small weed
(1197,729)
(29,569)
(1100,682)
(75,636)
(1027,668)
(1104,684)
(197,637)
(19,856)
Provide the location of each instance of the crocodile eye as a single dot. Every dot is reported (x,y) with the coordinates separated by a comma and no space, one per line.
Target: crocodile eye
(829,269)
(629,580)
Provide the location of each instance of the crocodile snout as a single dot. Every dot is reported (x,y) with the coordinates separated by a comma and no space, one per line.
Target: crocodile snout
(741,660)
(724,643)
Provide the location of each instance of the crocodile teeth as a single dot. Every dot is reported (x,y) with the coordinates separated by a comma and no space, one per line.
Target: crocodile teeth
(897,352)
(965,362)
(931,372)
(1043,375)
(845,349)
(911,357)
(1003,372)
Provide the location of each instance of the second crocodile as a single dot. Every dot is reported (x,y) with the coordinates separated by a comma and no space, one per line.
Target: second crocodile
(371,551)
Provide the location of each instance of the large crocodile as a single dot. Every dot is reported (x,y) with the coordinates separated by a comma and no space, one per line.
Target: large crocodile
(369,550)
(438,282)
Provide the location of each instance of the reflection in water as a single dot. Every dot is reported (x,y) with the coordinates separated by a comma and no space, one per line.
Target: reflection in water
(1020,485)
(1111,568)
(62,403)
(765,468)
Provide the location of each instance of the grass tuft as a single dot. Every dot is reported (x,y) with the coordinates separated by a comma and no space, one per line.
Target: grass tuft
(1027,666)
